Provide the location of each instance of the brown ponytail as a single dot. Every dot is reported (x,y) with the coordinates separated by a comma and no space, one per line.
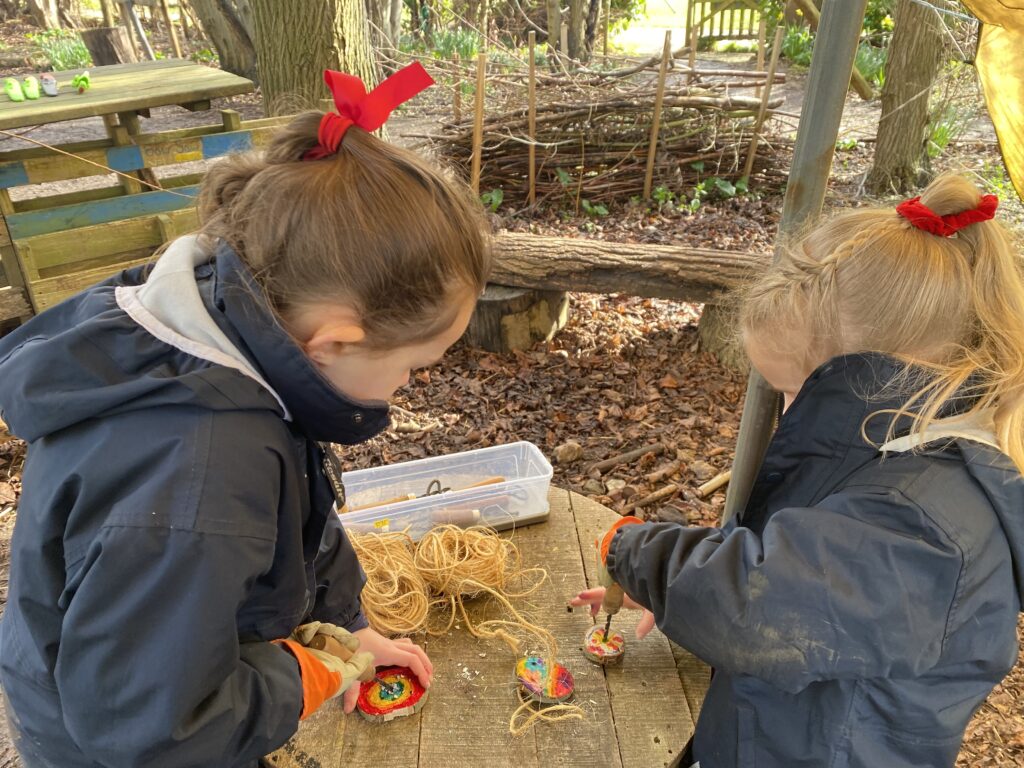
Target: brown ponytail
(373,226)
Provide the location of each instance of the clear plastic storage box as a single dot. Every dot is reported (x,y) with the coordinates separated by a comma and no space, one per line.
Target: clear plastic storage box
(503,487)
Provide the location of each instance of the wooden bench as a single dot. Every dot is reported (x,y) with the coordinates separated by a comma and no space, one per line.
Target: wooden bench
(55,246)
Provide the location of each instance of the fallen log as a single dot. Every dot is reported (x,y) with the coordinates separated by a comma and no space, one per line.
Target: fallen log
(596,266)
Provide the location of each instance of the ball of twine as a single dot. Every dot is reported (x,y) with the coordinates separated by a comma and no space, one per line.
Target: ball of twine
(395,599)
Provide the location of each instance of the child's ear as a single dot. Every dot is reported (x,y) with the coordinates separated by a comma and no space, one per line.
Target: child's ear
(331,337)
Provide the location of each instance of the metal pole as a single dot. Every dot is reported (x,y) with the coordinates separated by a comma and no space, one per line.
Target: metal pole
(835,48)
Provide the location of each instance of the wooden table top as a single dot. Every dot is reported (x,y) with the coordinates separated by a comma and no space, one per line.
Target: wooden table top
(123,88)
(637,715)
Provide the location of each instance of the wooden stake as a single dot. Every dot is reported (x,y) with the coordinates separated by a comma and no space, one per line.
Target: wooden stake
(762,31)
(457,101)
(532,129)
(714,484)
(659,98)
(170,29)
(763,109)
(607,23)
(478,121)
(694,37)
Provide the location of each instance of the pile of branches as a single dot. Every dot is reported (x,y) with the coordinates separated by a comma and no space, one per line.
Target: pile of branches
(593,131)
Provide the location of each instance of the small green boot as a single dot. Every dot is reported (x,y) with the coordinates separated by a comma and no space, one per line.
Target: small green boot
(13,89)
(30,87)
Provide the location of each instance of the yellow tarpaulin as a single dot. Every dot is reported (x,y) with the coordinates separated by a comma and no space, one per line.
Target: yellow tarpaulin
(1001,69)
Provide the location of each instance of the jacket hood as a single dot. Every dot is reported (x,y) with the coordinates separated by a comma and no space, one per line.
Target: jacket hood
(1002,483)
(169,336)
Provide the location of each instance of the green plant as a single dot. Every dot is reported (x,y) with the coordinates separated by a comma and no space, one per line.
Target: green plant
(204,56)
(798,46)
(735,46)
(592,209)
(845,145)
(946,125)
(714,187)
(994,178)
(62,48)
(663,196)
(871,63)
(448,42)
(493,199)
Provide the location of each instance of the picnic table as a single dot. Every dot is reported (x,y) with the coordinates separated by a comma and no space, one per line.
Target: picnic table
(119,94)
(125,89)
(637,715)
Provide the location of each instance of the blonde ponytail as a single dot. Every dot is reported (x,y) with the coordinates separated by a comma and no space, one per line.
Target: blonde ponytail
(950,308)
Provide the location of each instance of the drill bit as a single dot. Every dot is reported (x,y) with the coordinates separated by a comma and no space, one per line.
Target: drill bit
(392,689)
(608,626)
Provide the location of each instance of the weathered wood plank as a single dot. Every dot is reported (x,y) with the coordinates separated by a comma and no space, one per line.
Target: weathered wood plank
(47,292)
(646,681)
(555,547)
(68,217)
(64,249)
(465,722)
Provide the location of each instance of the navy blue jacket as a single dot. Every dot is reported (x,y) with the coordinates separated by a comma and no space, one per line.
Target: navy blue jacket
(174,519)
(861,608)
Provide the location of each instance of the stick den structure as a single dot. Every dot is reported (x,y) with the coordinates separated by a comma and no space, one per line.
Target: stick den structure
(593,134)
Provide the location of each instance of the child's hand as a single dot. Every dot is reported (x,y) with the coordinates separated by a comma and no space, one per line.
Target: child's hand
(593,598)
(401,653)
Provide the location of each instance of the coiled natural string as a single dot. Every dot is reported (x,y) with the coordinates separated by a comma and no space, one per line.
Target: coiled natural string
(395,599)
(454,564)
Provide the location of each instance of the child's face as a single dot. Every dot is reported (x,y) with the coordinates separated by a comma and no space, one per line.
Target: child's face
(362,373)
(781,373)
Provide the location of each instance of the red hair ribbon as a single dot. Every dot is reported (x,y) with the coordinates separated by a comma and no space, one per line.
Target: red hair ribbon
(367,110)
(923,217)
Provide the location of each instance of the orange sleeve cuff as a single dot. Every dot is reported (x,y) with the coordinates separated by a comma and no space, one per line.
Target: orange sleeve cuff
(606,542)
(318,682)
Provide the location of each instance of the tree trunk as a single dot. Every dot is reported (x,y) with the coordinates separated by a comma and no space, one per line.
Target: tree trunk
(225,23)
(515,318)
(45,13)
(595,266)
(297,41)
(915,54)
(593,15)
(109,45)
(577,27)
(395,22)
(554,29)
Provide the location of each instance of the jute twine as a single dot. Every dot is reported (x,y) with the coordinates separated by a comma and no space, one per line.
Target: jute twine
(407,582)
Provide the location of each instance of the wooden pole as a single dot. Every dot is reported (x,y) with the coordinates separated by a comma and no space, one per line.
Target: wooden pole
(170,29)
(607,23)
(457,99)
(762,32)
(128,11)
(478,121)
(659,98)
(532,118)
(762,110)
(484,22)
(827,83)
(694,37)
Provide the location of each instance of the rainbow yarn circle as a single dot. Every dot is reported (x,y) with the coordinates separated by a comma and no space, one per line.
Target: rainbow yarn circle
(531,674)
(375,702)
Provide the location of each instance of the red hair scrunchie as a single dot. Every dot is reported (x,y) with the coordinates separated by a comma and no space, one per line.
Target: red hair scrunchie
(923,217)
(370,110)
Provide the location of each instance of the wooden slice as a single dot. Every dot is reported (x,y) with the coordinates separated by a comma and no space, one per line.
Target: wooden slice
(380,706)
(601,650)
(536,685)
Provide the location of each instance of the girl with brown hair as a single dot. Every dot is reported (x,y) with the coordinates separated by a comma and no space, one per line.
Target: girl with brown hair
(864,603)
(176,526)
